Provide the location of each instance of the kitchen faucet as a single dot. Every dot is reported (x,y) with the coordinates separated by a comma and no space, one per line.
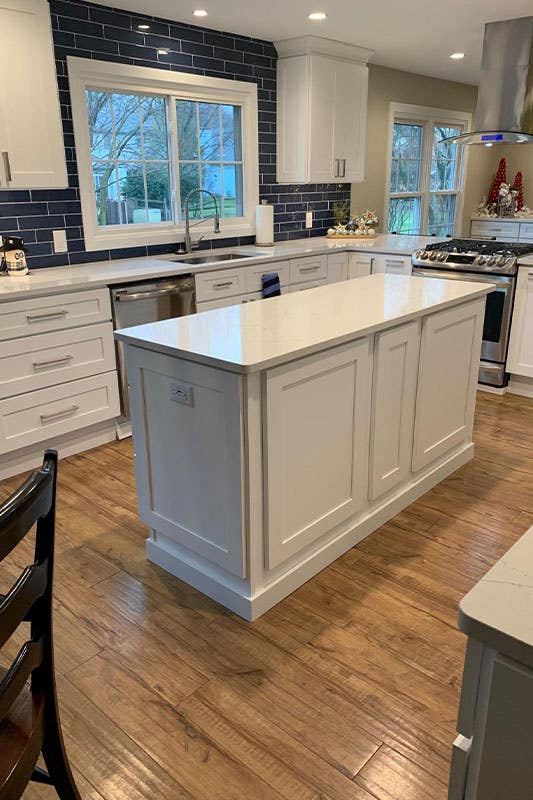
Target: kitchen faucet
(190,245)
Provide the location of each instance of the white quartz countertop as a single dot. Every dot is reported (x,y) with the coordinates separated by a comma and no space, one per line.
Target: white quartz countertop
(499,609)
(51,280)
(253,336)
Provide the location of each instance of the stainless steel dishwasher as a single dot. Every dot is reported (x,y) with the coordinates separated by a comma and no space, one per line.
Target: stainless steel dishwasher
(150,301)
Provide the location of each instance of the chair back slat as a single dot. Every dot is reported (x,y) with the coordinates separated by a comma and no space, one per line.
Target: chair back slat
(24,508)
(19,601)
(29,657)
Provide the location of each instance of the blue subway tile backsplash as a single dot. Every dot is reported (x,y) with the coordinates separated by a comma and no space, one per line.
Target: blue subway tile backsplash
(84,29)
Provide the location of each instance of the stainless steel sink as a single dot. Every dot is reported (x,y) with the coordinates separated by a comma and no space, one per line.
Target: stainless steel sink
(209,259)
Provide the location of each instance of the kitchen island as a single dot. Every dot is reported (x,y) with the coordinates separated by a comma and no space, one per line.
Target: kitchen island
(271,437)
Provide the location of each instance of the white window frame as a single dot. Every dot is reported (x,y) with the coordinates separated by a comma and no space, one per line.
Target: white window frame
(427,117)
(87,74)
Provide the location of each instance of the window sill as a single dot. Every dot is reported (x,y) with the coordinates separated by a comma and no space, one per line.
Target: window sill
(170,234)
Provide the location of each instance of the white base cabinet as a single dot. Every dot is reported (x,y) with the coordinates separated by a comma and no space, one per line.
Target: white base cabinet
(393,265)
(251,483)
(520,355)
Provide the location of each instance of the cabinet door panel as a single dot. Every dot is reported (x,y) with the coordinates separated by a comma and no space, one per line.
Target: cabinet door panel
(317,431)
(359,265)
(520,358)
(292,119)
(448,370)
(393,265)
(395,378)
(337,267)
(29,98)
(324,73)
(351,86)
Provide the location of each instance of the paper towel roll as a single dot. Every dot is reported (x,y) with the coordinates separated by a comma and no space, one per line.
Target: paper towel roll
(264,225)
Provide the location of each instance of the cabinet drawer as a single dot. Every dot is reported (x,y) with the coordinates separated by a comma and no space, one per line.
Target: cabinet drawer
(506,231)
(225,302)
(255,273)
(35,362)
(48,413)
(223,283)
(53,313)
(526,230)
(301,287)
(306,269)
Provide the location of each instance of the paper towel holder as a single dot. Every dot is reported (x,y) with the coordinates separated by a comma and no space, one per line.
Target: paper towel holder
(264,224)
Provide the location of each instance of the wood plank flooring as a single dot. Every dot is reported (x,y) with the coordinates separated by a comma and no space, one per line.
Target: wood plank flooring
(347,690)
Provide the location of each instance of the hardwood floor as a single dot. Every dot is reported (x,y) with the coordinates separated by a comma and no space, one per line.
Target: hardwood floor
(347,690)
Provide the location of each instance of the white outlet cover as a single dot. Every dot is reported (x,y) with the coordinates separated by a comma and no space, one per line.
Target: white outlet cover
(308,219)
(60,241)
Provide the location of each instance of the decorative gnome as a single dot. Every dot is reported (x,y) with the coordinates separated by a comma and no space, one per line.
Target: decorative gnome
(14,257)
(499,178)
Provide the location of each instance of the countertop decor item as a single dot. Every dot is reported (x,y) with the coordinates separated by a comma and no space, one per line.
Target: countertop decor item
(499,178)
(519,186)
(14,257)
(357,227)
(264,224)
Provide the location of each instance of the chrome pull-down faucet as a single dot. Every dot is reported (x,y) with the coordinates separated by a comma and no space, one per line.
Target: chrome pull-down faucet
(188,243)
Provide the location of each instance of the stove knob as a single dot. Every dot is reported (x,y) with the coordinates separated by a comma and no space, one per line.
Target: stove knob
(417,253)
(480,260)
(441,257)
(425,254)
(433,255)
(491,260)
(501,260)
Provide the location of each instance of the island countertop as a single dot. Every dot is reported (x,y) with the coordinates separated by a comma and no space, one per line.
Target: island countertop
(254,336)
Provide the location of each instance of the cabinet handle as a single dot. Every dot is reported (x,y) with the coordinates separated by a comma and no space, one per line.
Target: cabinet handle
(50,315)
(7,166)
(337,168)
(222,285)
(55,414)
(343,168)
(310,269)
(51,362)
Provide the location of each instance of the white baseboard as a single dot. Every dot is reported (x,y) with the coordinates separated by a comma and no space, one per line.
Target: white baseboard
(236,594)
(482,387)
(123,427)
(520,386)
(67,445)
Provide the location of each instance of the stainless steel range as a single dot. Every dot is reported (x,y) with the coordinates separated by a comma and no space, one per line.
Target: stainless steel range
(480,260)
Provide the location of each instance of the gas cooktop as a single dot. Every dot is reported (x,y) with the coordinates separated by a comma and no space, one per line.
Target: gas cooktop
(472,255)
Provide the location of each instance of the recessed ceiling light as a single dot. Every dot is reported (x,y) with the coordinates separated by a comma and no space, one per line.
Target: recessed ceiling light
(143,27)
(457,56)
(200,12)
(162,52)
(317,16)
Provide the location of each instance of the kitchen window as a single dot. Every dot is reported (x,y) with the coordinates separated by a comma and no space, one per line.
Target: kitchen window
(425,180)
(145,139)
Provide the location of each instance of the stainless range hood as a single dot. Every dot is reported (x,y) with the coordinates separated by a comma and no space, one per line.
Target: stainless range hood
(504,113)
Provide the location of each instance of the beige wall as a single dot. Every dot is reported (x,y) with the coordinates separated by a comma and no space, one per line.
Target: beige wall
(390,85)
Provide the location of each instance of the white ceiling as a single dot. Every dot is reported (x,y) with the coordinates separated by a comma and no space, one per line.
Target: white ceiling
(413,35)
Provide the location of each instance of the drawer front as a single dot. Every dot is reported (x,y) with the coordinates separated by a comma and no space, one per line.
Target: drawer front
(526,230)
(225,302)
(310,268)
(301,287)
(255,273)
(35,362)
(223,283)
(47,413)
(53,313)
(506,231)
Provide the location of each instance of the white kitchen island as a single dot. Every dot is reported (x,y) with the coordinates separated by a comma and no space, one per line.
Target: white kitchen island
(271,437)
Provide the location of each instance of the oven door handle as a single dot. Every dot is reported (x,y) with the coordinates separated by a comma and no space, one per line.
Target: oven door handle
(500,281)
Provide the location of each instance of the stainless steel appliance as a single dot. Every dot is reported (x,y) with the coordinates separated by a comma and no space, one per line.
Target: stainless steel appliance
(150,301)
(481,261)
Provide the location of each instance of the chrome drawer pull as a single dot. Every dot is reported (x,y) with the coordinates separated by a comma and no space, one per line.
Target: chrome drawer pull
(51,362)
(222,285)
(55,414)
(310,269)
(50,315)
(7,166)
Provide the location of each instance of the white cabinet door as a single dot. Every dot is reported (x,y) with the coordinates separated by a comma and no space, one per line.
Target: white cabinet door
(359,265)
(520,357)
(526,231)
(350,120)
(323,166)
(337,267)
(393,265)
(448,371)
(394,395)
(31,133)
(317,435)
(292,162)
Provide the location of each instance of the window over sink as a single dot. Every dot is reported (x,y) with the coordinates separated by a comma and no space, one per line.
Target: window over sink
(425,180)
(145,138)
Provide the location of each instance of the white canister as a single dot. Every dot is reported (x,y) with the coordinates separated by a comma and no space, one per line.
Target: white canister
(264,224)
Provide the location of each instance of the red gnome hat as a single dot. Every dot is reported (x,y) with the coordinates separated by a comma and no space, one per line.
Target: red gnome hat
(499,178)
(518,185)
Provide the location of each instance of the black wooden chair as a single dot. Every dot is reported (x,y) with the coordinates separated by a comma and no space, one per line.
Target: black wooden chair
(29,718)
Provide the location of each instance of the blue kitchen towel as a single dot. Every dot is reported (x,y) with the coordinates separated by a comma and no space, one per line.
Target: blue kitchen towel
(271,286)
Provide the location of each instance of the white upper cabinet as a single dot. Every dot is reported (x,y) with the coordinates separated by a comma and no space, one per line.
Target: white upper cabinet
(322,95)
(31,135)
